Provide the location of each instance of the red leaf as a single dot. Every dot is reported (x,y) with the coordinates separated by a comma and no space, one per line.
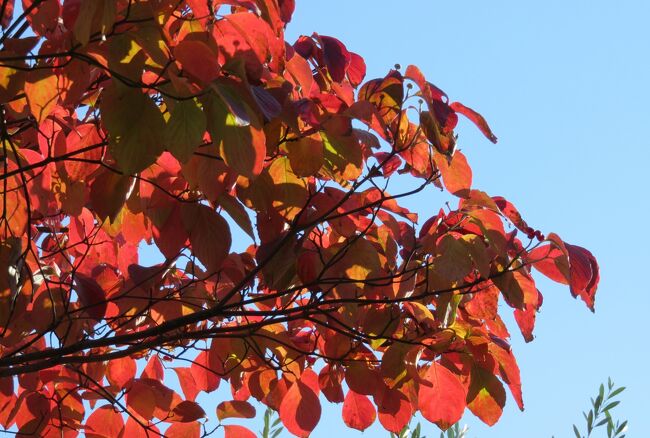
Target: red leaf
(395,410)
(141,399)
(526,321)
(186,411)
(235,409)
(184,430)
(237,432)
(206,378)
(209,235)
(356,70)
(188,384)
(551,262)
(120,371)
(300,409)
(335,56)
(358,411)
(91,296)
(83,138)
(133,429)
(329,380)
(508,370)
(362,379)
(8,13)
(104,423)
(44,17)
(475,117)
(198,60)
(441,396)
(585,274)
(154,369)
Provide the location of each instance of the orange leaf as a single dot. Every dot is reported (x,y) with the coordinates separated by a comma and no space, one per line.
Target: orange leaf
(456,174)
(41,92)
(475,117)
(235,409)
(486,396)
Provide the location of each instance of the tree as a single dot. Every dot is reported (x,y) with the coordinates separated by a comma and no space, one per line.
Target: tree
(175,124)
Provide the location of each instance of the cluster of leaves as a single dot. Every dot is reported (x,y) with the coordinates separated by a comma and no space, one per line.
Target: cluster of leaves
(602,407)
(164,122)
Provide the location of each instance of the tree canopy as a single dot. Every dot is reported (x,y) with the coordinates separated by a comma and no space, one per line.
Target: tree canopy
(178,124)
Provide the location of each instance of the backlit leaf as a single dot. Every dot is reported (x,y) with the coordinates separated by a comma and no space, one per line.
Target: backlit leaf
(358,411)
(185,129)
(104,422)
(235,409)
(300,409)
(486,396)
(441,396)
(209,235)
(135,127)
(232,431)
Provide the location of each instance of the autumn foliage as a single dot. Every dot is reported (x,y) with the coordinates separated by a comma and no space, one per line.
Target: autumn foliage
(178,124)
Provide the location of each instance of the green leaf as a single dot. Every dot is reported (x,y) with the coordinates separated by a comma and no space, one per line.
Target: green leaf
(621,427)
(135,126)
(611,405)
(576,431)
(601,391)
(598,402)
(601,422)
(243,148)
(185,129)
(616,392)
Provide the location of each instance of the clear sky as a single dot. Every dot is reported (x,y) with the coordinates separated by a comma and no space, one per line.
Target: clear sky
(565,87)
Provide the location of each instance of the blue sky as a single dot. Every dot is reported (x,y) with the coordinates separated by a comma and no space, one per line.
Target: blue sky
(565,87)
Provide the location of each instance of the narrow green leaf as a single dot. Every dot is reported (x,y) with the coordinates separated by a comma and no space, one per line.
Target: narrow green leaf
(576,431)
(611,405)
(601,422)
(610,427)
(621,427)
(598,402)
(616,392)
